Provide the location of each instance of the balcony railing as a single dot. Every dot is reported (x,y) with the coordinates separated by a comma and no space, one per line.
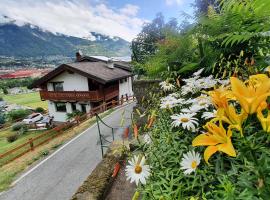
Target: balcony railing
(93,96)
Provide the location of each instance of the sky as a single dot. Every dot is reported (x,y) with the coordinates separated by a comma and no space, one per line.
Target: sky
(122,18)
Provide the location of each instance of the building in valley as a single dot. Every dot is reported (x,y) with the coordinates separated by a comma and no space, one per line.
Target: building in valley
(84,84)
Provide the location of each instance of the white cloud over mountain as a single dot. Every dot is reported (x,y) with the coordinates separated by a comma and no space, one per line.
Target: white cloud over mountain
(75,18)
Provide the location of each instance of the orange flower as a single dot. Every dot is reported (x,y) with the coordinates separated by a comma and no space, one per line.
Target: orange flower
(116,169)
(135,129)
(126,132)
(150,122)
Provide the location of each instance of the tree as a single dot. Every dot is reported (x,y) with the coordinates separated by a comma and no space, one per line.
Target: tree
(201,6)
(144,44)
(5,91)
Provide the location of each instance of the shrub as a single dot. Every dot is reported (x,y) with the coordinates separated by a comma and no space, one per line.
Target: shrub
(40,110)
(18,114)
(74,114)
(44,152)
(12,137)
(2,119)
(19,125)
(1,99)
(5,91)
(23,130)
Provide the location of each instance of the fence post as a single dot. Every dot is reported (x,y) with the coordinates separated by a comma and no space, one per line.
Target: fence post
(77,120)
(31,144)
(122,99)
(127,97)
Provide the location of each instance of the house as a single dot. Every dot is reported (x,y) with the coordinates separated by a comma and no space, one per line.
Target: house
(84,84)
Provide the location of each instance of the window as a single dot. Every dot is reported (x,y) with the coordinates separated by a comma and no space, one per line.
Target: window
(73,107)
(60,107)
(58,86)
(123,80)
(92,85)
(83,108)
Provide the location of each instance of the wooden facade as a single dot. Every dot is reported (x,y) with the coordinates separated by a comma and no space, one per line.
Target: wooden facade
(103,94)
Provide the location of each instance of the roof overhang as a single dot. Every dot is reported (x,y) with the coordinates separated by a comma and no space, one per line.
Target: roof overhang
(65,67)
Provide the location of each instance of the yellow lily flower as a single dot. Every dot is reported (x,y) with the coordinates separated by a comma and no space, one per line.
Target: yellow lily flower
(250,96)
(265,121)
(258,79)
(220,97)
(230,116)
(217,139)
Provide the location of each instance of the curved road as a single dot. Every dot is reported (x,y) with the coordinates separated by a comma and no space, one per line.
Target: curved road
(59,176)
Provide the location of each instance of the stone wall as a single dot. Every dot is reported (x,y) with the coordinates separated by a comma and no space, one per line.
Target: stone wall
(97,185)
(143,88)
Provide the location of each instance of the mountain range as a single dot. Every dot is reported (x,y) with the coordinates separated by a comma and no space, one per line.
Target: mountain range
(31,41)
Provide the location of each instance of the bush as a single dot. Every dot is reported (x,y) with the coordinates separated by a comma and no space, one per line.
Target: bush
(23,130)
(1,99)
(2,119)
(40,110)
(5,91)
(74,114)
(12,137)
(18,114)
(18,126)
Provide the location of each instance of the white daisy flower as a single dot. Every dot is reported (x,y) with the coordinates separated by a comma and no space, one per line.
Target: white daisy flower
(166,86)
(209,115)
(190,162)
(137,171)
(147,139)
(170,102)
(186,120)
(198,73)
(224,82)
(202,101)
(174,95)
(194,108)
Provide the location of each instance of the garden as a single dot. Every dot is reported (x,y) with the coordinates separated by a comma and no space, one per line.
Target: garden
(205,134)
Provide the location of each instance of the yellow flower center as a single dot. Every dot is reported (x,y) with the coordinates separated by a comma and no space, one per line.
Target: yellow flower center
(138,169)
(194,164)
(202,103)
(184,119)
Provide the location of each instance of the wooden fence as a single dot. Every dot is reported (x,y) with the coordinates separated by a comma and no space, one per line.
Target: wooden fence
(45,137)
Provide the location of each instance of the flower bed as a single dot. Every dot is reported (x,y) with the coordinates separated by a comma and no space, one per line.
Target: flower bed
(206,139)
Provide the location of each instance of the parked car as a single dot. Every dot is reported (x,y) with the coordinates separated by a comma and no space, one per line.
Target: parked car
(34,117)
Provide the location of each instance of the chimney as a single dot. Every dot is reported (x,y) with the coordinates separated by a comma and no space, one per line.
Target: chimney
(110,63)
(78,56)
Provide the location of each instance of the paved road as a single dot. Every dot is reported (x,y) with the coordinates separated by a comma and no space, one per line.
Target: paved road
(59,176)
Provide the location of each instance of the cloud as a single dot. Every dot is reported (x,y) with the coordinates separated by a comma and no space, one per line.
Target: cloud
(75,18)
(130,9)
(172,2)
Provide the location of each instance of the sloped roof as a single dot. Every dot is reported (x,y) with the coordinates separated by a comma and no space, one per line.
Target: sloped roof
(120,64)
(97,71)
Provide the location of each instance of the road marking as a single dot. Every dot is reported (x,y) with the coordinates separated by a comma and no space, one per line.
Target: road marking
(54,153)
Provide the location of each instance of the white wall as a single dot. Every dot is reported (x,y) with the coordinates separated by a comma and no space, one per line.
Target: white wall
(71,82)
(58,116)
(62,116)
(125,87)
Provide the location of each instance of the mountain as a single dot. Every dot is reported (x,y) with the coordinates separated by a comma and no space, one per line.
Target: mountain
(31,41)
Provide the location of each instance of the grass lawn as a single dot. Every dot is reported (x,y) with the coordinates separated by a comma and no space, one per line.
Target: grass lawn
(31,99)
(5,145)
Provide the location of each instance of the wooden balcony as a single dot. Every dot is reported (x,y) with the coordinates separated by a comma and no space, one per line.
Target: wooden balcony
(93,96)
